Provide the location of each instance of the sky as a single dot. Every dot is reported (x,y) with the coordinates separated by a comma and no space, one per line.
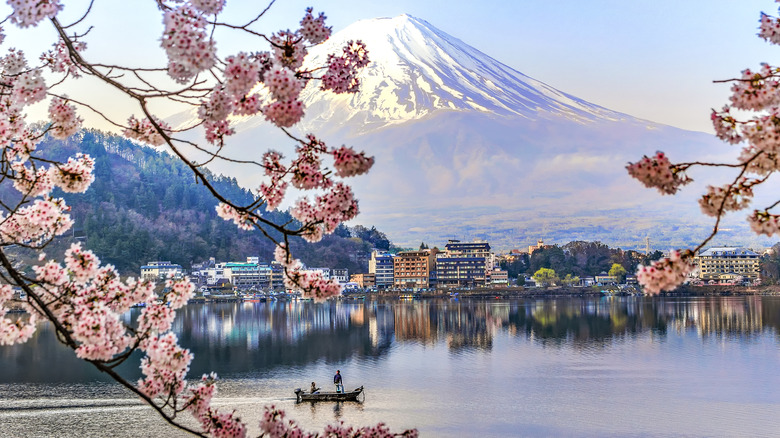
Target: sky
(655,60)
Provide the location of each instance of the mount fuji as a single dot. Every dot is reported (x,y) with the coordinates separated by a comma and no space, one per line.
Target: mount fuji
(467,147)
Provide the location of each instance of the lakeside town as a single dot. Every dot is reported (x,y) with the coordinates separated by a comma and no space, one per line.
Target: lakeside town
(459,266)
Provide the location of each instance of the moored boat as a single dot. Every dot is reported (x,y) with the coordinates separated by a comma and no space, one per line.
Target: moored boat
(328,396)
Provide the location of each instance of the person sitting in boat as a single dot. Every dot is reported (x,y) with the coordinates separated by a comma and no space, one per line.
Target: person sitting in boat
(314,388)
(337,381)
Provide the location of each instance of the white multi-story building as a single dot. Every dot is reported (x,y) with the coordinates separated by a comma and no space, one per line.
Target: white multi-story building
(161,270)
(341,275)
(727,264)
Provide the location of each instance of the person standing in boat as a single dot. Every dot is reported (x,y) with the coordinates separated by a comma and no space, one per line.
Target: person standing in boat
(337,381)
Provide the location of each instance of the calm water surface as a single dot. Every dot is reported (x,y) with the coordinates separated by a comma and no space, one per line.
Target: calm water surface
(596,367)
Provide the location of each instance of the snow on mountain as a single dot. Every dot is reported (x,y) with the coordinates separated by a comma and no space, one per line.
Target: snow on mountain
(468,147)
(417,69)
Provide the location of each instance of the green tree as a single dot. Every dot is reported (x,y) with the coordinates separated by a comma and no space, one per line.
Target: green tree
(571,280)
(545,277)
(617,270)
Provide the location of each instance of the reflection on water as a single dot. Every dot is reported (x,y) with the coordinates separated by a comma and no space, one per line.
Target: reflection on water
(562,358)
(251,337)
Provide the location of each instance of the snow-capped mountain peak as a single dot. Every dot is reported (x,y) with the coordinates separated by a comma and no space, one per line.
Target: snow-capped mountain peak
(417,69)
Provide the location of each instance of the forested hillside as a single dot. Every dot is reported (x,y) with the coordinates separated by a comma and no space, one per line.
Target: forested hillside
(145,205)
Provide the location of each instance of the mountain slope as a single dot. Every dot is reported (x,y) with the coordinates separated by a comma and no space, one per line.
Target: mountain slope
(145,205)
(468,147)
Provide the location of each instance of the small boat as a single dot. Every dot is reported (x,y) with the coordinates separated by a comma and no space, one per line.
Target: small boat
(328,396)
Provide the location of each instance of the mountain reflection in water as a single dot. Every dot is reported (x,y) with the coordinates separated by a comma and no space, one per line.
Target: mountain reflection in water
(248,337)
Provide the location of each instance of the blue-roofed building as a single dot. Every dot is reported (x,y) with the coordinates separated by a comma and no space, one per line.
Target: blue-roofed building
(726,264)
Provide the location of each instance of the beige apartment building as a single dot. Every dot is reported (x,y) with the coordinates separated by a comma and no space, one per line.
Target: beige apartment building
(725,264)
(412,269)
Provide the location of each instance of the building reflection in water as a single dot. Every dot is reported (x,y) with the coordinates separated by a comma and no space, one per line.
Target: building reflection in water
(253,337)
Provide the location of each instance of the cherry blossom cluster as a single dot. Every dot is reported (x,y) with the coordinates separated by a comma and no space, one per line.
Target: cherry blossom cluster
(725,126)
(58,59)
(734,197)
(314,29)
(13,64)
(341,76)
(307,172)
(759,162)
(75,176)
(763,222)
(88,301)
(65,122)
(164,367)
(274,424)
(29,88)
(209,7)
(770,29)
(657,172)
(326,212)
(350,163)
(241,219)
(32,182)
(31,12)
(756,91)
(36,223)
(144,131)
(13,331)
(189,48)
(667,273)
(311,283)
(763,131)
(284,113)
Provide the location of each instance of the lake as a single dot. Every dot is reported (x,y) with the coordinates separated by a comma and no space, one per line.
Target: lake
(593,367)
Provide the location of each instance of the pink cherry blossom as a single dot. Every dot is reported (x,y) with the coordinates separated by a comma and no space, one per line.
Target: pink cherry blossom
(217,131)
(659,173)
(273,194)
(288,49)
(36,223)
(241,219)
(29,88)
(164,367)
(75,176)
(248,105)
(770,29)
(727,198)
(284,114)
(241,74)
(282,83)
(341,76)
(667,273)
(725,126)
(189,48)
(32,182)
(350,163)
(14,63)
(144,131)
(31,12)
(209,7)
(59,61)
(314,29)
(756,91)
(65,122)
(762,222)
